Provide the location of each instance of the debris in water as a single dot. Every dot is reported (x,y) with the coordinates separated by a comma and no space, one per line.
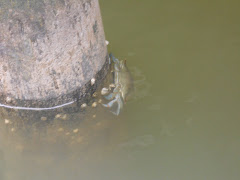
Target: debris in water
(7,121)
(75,130)
(94,104)
(83,105)
(43,118)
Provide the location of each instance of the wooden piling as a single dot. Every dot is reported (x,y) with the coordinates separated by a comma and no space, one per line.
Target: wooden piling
(49,52)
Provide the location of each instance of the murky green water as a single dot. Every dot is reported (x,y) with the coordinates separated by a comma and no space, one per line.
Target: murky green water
(188,51)
(183,122)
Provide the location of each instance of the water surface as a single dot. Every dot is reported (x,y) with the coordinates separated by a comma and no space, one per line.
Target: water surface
(183,121)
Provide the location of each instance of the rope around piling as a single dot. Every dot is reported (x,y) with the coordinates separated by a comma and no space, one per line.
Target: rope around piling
(35,108)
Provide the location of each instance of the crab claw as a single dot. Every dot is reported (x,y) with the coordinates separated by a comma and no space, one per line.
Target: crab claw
(115,60)
(109,96)
(119,102)
(110,104)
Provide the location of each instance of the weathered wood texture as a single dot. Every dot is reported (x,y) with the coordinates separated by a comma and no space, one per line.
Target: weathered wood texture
(50,50)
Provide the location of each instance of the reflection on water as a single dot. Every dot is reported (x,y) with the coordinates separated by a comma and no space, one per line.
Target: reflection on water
(141,85)
(138,142)
(183,121)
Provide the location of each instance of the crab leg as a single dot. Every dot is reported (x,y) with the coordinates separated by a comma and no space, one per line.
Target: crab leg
(120,105)
(116,67)
(116,113)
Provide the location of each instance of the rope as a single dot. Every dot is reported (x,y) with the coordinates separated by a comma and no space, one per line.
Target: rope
(36,109)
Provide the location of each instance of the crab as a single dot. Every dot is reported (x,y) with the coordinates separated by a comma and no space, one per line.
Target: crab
(122,84)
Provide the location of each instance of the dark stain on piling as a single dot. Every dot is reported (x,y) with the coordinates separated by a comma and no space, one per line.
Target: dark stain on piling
(5,68)
(86,66)
(95,27)
(55,83)
(86,7)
